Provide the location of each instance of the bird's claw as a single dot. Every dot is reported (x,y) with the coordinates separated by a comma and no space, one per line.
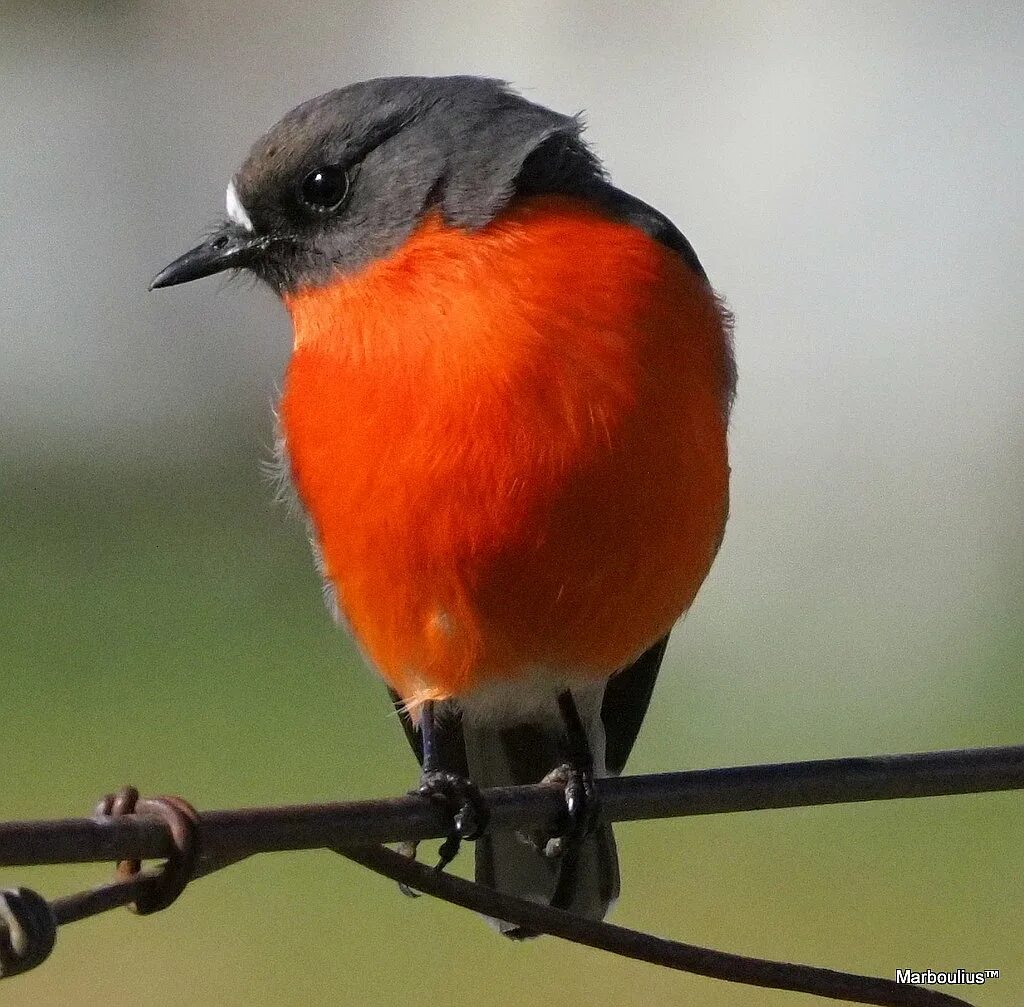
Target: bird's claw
(463,803)
(582,809)
(582,817)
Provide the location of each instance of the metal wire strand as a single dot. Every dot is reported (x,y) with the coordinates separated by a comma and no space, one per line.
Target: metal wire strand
(28,932)
(130,829)
(235,833)
(161,887)
(642,946)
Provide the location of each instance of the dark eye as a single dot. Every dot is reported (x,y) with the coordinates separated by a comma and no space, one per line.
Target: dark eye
(325,188)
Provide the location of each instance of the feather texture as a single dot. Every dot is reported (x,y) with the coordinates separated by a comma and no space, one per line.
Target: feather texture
(511,445)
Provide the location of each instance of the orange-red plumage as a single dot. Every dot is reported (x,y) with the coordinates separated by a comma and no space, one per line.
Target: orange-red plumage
(511,445)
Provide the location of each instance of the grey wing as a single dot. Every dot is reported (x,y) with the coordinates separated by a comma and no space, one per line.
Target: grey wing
(649,220)
(626,698)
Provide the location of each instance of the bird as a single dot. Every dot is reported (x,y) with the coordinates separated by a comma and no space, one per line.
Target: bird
(505,416)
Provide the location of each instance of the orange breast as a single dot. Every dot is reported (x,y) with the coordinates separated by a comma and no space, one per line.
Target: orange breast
(511,445)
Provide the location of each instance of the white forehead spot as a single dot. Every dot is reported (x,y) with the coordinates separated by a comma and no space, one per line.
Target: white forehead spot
(235,209)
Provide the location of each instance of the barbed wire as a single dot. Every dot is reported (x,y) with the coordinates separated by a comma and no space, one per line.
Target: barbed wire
(128,829)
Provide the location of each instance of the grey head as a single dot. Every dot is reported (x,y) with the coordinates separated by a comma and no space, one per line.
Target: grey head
(344,178)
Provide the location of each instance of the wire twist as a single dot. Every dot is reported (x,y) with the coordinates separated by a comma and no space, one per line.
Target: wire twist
(28,922)
(168,828)
(161,889)
(28,932)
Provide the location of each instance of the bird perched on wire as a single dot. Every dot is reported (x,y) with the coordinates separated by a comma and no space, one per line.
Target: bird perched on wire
(505,416)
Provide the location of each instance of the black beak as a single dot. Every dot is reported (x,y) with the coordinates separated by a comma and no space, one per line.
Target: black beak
(231,247)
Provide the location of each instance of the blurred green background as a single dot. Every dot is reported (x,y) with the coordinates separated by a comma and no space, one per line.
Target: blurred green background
(850,177)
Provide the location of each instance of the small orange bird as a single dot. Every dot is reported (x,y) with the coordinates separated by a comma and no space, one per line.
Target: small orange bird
(505,415)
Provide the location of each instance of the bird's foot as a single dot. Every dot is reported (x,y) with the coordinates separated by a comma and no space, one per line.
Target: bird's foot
(463,803)
(582,815)
(582,809)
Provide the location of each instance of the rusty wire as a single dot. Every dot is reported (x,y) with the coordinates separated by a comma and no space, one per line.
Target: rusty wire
(129,829)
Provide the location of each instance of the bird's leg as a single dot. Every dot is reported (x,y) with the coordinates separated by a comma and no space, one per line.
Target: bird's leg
(582,807)
(458,795)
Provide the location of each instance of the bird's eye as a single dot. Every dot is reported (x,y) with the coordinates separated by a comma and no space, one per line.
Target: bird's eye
(325,188)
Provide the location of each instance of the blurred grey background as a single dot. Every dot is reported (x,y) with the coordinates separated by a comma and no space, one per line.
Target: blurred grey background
(850,176)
